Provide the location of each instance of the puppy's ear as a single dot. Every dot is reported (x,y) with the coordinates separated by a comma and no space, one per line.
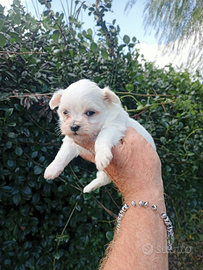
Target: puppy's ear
(110,96)
(55,100)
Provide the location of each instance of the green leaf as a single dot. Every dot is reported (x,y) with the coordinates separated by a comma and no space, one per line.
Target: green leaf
(7,262)
(7,189)
(31,60)
(78,207)
(93,47)
(131,45)
(26,191)
(17,19)
(12,135)
(34,28)
(57,51)
(9,144)
(18,107)
(89,31)
(163,140)
(86,44)
(18,151)
(17,198)
(1,9)
(55,36)
(1,24)
(57,255)
(15,191)
(140,106)
(16,3)
(129,87)
(11,124)
(47,188)
(71,74)
(22,267)
(140,78)
(134,39)
(91,9)
(2,40)
(8,113)
(15,231)
(36,198)
(34,154)
(38,170)
(172,92)
(126,39)
(10,163)
(104,53)
(60,188)
(12,40)
(109,235)
(87,196)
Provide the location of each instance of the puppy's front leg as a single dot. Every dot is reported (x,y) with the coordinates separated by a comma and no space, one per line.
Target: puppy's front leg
(67,152)
(107,138)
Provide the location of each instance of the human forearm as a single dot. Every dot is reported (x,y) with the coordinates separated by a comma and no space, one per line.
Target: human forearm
(140,242)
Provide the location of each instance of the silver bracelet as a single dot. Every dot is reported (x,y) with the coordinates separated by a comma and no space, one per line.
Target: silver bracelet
(167,222)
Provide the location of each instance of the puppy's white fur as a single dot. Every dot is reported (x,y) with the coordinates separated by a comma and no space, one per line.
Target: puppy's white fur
(90,112)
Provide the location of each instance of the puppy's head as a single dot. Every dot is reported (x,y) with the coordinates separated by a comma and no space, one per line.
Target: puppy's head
(83,108)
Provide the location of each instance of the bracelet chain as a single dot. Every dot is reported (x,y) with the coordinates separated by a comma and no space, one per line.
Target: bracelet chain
(167,222)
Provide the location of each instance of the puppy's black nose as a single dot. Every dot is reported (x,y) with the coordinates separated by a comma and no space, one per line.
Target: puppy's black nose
(74,128)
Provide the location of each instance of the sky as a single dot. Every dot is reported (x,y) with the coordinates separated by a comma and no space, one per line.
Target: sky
(131,24)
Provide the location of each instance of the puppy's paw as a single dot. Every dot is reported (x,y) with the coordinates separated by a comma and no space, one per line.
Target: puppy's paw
(103,158)
(53,171)
(89,188)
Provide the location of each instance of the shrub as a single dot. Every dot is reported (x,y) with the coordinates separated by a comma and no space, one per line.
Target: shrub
(50,224)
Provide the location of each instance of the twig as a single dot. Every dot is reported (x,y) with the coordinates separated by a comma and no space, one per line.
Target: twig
(38,164)
(161,102)
(26,95)
(107,210)
(52,15)
(97,201)
(151,105)
(63,232)
(30,52)
(62,180)
(31,119)
(79,188)
(112,198)
(33,142)
(18,53)
(143,95)
(135,115)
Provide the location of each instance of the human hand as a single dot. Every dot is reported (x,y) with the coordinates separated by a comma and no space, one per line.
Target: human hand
(135,168)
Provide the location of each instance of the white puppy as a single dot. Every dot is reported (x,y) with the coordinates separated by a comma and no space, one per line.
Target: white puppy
(88,111)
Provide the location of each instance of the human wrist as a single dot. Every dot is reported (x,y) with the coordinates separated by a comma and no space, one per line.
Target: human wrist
(154,195)
(150,189)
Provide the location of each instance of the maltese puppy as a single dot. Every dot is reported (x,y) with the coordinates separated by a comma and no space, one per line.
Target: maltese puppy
(87,111)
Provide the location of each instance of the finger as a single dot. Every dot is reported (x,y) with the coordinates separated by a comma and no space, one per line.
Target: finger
(87,144)
(86,154)
(131,137)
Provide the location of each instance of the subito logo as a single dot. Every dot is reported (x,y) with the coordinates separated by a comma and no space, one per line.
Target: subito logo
(147,249)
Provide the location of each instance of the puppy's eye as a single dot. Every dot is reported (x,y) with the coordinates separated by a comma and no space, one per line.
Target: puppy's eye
(65,113)
(90,113)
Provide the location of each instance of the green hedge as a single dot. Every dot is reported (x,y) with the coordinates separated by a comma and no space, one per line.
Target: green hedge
(51,224)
